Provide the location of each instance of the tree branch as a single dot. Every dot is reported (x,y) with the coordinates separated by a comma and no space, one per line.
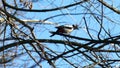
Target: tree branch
(109,6)
(45,10)
(40,40)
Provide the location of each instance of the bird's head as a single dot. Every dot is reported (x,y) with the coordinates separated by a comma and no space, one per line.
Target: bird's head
(75,26)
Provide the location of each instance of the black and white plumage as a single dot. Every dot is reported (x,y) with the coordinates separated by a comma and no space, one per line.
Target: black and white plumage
(64,29)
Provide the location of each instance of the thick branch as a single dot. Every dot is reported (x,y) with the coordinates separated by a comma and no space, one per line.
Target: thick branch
(106,41)
(33,21)
(45,10)
(109,6)
(62,41)
(17,19)
(40,40)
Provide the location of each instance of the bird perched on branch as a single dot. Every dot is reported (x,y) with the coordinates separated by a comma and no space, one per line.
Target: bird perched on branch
(64,29)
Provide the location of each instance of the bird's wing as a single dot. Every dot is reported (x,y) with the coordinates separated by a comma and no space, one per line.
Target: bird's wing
(68,26)
(62,26)
(65,26)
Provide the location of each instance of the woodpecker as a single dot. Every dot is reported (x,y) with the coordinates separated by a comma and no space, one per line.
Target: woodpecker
(64,29)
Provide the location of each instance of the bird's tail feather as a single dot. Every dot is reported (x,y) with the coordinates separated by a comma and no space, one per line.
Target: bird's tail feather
(53,33)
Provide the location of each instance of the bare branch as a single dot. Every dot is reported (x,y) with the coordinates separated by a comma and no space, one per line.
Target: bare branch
(109,6)
(45,10)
